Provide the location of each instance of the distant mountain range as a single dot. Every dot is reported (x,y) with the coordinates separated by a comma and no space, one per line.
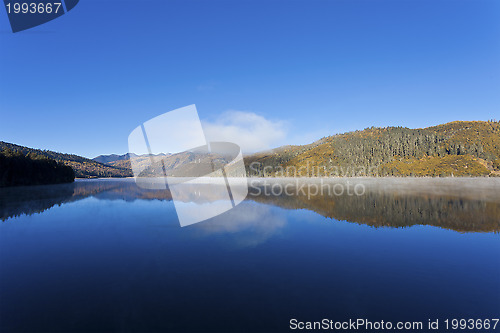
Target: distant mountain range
(123,161)
(107,159)
(460,148)
(189,163)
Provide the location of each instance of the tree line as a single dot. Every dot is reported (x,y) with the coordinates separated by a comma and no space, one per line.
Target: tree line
(18,169)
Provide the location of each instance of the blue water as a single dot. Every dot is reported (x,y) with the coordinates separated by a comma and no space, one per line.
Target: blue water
(109,261)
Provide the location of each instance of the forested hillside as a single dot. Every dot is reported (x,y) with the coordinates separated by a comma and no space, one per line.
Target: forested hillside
(83,167)
(461,148)
(18,169)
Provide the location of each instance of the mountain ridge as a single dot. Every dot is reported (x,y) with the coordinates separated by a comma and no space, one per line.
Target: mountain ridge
(458,148)
(113,158)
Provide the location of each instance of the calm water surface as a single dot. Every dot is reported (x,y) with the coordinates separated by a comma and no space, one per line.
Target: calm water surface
(104,255)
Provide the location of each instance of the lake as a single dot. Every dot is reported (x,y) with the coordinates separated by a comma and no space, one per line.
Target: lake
(106,255)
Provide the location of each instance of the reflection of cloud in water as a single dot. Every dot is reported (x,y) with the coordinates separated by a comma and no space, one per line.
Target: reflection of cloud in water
(251,224)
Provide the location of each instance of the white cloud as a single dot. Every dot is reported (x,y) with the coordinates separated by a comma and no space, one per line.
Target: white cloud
(249,130)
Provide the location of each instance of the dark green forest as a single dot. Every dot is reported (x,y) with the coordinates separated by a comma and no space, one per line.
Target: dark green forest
(18,169)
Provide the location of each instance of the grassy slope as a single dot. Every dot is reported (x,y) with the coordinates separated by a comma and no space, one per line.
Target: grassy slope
(461,148)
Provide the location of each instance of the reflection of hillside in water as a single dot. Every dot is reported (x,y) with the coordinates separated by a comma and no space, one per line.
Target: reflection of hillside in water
(473,209)
(16,201)
(444,206)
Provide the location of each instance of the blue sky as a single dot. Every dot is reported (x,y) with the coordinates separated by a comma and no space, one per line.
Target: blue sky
(303,69)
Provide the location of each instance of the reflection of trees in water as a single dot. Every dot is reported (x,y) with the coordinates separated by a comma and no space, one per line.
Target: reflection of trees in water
(381,208)
(391,209)
(16,201)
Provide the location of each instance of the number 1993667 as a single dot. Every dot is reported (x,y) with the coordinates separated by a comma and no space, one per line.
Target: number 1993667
(471,324)
(33,8)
